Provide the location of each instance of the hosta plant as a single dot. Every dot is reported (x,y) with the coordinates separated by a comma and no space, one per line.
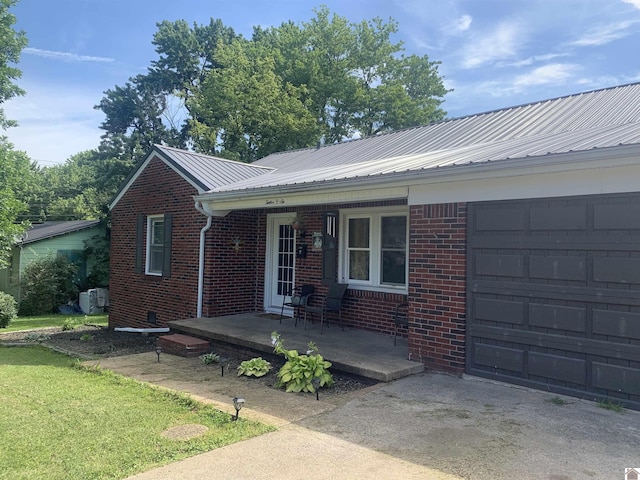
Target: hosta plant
(256,367)
(299,371)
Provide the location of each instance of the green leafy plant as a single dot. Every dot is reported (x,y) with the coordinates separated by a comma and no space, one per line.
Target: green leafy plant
(70,324)
(8,309)
(47,283)
(86,337)
(256,367)
(299,371)
(209,358)
(611,405)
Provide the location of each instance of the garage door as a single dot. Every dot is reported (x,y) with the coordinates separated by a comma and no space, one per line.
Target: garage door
(554,295)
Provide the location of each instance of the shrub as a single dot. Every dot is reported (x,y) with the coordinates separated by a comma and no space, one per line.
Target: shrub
(70,324)
(298,372)
(209,358)
(256,367)
(47,283)
(8,309)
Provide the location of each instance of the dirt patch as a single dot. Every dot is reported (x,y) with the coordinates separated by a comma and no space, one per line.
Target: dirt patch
(185,432)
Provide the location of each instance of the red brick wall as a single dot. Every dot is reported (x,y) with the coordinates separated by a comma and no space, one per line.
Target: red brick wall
(157,190)
(437,288)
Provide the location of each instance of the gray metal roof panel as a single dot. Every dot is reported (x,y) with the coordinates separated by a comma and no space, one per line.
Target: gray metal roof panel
(599,108)
(519,147)
(208,171)
(42,231)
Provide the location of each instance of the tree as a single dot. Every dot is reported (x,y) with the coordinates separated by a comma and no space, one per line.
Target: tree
(11,44)
(287,87)
(14,166)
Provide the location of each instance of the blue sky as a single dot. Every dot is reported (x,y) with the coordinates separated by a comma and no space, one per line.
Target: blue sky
(494,53)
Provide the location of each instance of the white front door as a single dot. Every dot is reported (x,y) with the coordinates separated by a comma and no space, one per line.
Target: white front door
(280,262)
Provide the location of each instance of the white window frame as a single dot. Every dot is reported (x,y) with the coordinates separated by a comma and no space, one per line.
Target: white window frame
(375,248)
(151,222)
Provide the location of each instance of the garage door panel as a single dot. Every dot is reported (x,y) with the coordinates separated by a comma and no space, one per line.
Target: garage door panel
(616,379)
(558,268)
(624,325)
(558,317)
(501,358)
(558,218)
(500,265)
(616,270)
(570,370)
(559,297)
(503,311)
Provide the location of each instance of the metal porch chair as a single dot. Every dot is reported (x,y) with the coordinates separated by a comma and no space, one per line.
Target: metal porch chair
(400,319)
(323,304)
(297,299)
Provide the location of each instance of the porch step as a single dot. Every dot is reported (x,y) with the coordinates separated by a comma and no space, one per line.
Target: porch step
(183,345)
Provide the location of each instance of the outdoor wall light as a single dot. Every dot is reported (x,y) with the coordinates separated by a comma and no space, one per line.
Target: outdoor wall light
(158,352)
(238,403)
(316,386)
(224,361)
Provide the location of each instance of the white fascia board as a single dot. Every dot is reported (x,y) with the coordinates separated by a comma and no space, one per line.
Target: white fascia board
(578,173)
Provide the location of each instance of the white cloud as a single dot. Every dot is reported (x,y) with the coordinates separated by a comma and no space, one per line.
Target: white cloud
(535,59)
(605,34)
(463,23)
(635,3)
(502,43)
(65,56)
(54,123)
(554,73)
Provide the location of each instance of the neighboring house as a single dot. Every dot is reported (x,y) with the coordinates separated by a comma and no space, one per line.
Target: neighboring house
(514,235)
(49,238)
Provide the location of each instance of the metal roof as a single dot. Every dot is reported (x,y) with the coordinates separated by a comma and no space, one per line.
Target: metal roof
(594,111)
(209,172)
(514,148)
(42,231)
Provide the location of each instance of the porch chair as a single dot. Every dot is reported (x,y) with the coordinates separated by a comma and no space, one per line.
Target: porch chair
(400,319)
(323,304)
(296,298)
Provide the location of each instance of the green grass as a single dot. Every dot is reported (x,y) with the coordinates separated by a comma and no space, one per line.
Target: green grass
(59,420)
(57,320)
(611,405)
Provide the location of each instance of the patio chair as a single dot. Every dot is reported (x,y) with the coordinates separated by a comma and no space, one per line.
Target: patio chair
(400,319)
(296,298)
(323,304)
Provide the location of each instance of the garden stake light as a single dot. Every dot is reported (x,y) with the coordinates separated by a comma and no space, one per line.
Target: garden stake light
(158,352)
(316,386)
(237,404)
(224,361)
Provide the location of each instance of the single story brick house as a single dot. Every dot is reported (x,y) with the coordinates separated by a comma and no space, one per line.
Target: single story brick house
(514,235)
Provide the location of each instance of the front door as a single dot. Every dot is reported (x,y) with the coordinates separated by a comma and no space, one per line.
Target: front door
(280,264)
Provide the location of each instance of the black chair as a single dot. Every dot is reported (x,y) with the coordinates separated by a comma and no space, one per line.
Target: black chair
(400,319)
(323,304)
(297,298)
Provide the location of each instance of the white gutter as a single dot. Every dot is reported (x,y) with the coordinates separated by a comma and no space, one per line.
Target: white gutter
(203,210)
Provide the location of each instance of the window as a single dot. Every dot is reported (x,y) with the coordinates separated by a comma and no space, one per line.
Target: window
(375,249)
(155,244)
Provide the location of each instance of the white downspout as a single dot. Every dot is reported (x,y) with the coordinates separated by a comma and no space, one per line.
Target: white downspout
(200,207)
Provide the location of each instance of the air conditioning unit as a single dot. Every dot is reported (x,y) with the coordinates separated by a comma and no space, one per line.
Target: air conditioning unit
(89,303)
(103,297)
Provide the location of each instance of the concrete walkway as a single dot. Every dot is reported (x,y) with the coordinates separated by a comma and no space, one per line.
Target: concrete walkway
(427,426)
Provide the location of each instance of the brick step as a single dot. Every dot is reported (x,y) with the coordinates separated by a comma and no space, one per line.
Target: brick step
(183,345)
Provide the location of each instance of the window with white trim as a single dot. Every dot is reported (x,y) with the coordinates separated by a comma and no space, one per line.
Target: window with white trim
(374,249)
(155,244)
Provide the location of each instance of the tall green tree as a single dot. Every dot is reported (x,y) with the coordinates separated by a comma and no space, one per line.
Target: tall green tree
(14,166)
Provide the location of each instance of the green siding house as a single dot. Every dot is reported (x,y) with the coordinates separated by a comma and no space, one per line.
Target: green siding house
(49,238)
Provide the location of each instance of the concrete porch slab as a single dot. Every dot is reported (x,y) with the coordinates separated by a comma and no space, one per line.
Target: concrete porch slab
(357,352)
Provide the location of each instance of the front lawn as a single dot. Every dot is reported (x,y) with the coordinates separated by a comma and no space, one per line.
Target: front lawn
(53,320)
(64,421)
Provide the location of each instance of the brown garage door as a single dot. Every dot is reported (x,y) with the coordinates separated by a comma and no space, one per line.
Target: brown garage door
(554,295)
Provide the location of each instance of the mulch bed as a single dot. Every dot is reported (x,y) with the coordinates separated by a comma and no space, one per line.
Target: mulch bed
(90,342)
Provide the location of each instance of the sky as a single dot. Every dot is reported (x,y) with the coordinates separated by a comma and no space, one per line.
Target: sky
(493,53)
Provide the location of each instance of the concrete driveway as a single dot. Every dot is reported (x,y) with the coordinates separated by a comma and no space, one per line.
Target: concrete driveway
(427,426)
